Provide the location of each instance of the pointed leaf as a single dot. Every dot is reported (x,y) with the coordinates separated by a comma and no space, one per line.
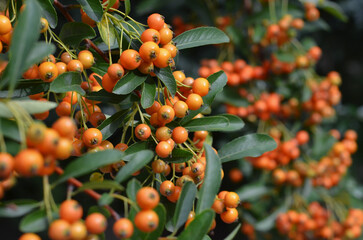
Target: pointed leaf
(167,77)
(68,81)
(233,233)
(30,106)
(105,184)
(161,212)
(107,97)
(179,156)
(133,187)
(34,222)
(136,162)
(217,81)
(199,37)
(185,204)
(252,191)
(37,53)
(90,162)
(235,123)
(128,83)
(334,9)
(252,145)
(212,180)
(93,8)
(111,124)
(17,208)
(148,93)
(49,12)
(108,32)
(9,128)
(199,226)
(73,33)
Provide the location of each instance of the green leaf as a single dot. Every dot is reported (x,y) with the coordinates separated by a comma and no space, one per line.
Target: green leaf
(148,93)
(133,187)
(100,68)
(90,162)
(105,199)
(251,192)
(233,233)
(212,180)
(269,222)
(179,156)
(35,222)
(199,226)
(108,32)
(9,128)
(217,81)
(17,208)
(93,8)
(199,37)
(127,7)
(49,12)
(285,57)
(136,161)
(73,33)
(252,145)
(30,106)
(161,212)
(110,4)
(26,88)
(107,97)
(167,77)
(111,124)
(334,9)
(99,209)
(26,29)
(128,83)
(214,123)
(235,123)
(137,147)
(68,81)
(106,184)
(323,142)
(37,53)
(185,204)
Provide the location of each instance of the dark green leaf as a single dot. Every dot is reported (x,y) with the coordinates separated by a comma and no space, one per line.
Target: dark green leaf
(68,81)
(100,68)
(34,222)
(285,57)
(212,180)
(334,9)
(9,129)
(90,162)
(26,88)
(137,161)
(252,145)
(49,12)
(217,81)
(214,123)
(17,208)
(27,28)
(167,77)
(128,83)
(137,147)
(161,212)
(99,209)
(73,33)
(323,142)
(30,106)
(233,233)
(199,226)
(111,124)
(93,8)
(185,204)
(127,7)
(132,187)
(199,37)
(251,192)
(269,222)
(148,93)
(179,156)
(107,97)
(106,184)
(235,123)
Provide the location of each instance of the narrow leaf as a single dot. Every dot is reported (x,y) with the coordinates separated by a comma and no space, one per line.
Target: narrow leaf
(73,33)
(212,180)
(128,83)
(167,77)
(214,123)
(17,208)
(179,156)
(93,8)
(68,81)
(132,187)
(49,12)
(148,93)
(111,124)
(185,204)
(106,184)
(199,226)
(31,106)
